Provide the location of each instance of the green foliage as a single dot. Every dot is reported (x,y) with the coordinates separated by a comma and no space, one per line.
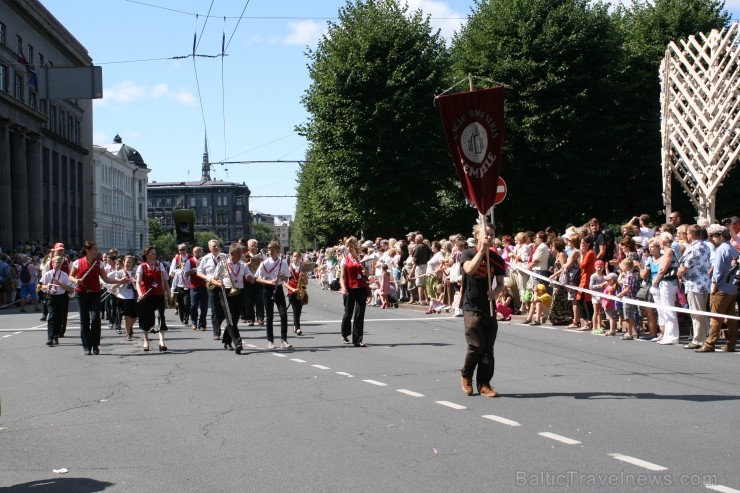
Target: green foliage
(155,230)
(377,154)
(263,234)
(203,237)
(165,244)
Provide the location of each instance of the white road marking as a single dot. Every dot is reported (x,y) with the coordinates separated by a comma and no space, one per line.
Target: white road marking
(375,382)
(451,404)
(250,345)
(297,360)
(16,333)
(723,489)
(410,392)
(9,335)
(559,438)
(279,355)
(639,462)
(345,374)
(321,367)
(501,420)
(415,319)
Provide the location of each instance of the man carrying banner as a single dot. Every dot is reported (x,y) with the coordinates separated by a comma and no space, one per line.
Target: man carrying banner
(480,324)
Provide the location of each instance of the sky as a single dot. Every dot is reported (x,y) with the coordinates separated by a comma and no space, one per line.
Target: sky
(248,103)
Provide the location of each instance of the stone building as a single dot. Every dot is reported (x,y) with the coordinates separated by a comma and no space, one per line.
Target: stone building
(220,206)
(121,198)
(45,158)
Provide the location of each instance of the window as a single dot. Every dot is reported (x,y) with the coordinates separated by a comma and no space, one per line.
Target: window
(226,201)
(238,217)
(192,201)
(42,106)
(32,99)
(18,88)
(205,201)
(18,45)
(140,186)
(30,55)
(4,78)
(62,127)
(41,60)
(239,201)
(53,119)
(3,31)
(205,219)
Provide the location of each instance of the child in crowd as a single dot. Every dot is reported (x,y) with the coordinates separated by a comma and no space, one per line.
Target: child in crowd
(629,291)
(503,305)
(609,305)
(437,304)
(385,286)
(374,286)
(597,283)
(539,308)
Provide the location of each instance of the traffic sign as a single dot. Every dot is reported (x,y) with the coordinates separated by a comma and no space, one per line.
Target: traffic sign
(500,191)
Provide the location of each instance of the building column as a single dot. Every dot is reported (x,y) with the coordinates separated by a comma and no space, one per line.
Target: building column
(35,186)
(20,185)
(6,199)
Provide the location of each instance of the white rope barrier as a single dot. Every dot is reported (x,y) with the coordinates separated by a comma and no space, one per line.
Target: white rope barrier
(631,301)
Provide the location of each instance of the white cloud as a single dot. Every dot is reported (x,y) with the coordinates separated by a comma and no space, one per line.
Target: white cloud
(100,138)
(127,92)
(305,33)
(443,17)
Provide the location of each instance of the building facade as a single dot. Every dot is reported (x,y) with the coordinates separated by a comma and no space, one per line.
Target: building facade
(120,182)
(220,206)
(45,159)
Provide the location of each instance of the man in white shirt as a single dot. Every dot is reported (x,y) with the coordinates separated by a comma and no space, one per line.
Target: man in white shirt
(206,271)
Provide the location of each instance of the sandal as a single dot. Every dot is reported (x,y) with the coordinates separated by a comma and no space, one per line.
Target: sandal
(573,326)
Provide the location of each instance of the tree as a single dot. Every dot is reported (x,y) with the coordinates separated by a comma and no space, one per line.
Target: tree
(557,55)
(203,237)
(263,234)
(377,155)
(646,28)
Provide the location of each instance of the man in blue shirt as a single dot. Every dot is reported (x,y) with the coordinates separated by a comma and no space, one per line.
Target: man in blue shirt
(723,292)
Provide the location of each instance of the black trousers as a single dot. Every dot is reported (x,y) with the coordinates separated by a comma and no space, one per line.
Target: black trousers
(297,309)
(183,304)
(275,296)
(89,305)
(480,334)
(255,303)
(217,312)
(57,313)
(235,304)
(198,306)
(353,321)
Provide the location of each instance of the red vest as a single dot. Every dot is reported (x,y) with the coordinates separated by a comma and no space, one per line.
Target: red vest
(354,274)
(195,281)
(92,280)
(294,275)
(151,276)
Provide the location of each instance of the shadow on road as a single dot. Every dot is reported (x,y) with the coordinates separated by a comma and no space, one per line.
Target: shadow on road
(60,485)
(628,395)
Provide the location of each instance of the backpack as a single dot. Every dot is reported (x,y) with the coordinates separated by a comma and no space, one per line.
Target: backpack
(25,274)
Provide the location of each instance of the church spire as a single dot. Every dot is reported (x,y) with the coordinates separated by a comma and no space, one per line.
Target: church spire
(206,170)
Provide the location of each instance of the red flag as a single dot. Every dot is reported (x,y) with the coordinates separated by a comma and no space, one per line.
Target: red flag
(473,122)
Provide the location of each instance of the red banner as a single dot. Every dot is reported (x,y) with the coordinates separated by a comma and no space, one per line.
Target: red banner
(473,122)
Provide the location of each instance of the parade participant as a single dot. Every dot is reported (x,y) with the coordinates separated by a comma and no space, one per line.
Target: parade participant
(198,291)
(353,284)
(63,307)
(723,292)
(56,284)
(481,326)
(254,304)
(116,315)
(181,263)
(271,273)
(298,282)
(206,270)
(126,296)
(46,265)
(232,274)
(151,286)
(86,272)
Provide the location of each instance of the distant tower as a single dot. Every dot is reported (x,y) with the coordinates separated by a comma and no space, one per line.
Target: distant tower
(206,170)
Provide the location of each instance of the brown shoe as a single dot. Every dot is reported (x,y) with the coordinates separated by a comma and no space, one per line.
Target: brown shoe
(704,349)
(467,385)
(727,349)
(487,391)
(691,345)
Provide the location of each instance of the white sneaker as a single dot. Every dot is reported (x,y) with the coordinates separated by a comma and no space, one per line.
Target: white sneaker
(285,344)
(458,312)
(270,345)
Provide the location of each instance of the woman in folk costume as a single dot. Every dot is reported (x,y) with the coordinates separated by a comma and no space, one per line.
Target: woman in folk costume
(151,286)
(297,283)
(86,272)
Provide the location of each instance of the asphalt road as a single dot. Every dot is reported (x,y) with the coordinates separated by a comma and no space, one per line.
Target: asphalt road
(577,413)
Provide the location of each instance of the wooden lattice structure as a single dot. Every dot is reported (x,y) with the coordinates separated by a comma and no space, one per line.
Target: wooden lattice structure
(700,115)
